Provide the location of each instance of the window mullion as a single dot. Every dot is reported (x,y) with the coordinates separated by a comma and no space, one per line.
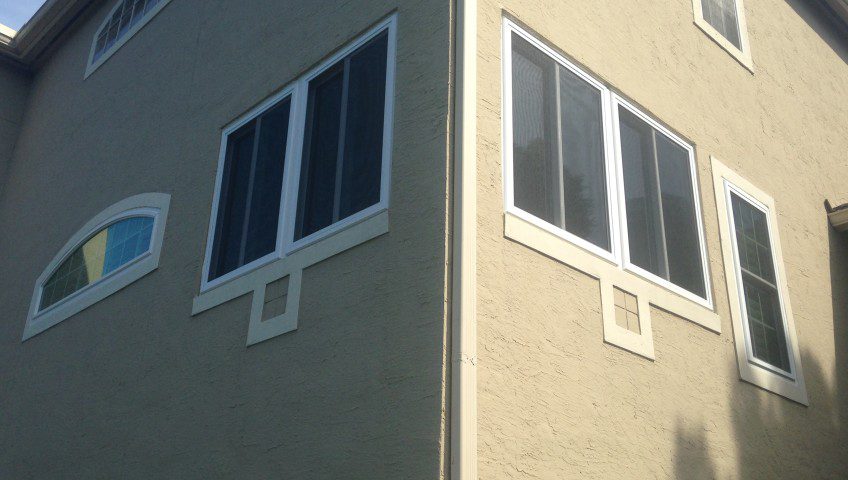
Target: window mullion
(250,183)
(337,196)
(560,157)
(662,243)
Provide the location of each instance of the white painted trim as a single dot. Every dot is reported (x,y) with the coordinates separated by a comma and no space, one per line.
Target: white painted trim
(619,254)
(94,65)
(463,407)
(743,55)
(639,343)
(751,369)
(7,31)
(149,204)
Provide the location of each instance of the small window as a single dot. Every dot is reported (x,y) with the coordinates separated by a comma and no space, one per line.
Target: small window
(117,247)
(125,19)
(763,326)
(589,167)
(251,186)
(724,22)
(309,161)
(342,151)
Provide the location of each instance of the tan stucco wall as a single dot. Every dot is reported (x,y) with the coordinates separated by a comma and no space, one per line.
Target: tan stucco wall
(134,387)
(554,400)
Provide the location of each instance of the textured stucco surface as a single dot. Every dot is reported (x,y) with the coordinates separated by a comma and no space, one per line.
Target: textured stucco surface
(14,92)
(554,400)
(134,387)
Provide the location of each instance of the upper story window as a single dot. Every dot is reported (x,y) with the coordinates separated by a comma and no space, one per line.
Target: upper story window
(117,247)
(763,325)
(306,163)
(125,19)
(584,164)
(724,22)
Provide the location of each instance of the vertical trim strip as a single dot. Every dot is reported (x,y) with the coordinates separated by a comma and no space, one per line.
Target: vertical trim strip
(464,304)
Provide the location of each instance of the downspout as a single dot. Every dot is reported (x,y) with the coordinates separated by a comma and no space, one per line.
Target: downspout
(463,430)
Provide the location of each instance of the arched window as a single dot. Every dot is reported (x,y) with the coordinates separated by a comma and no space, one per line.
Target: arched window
(125,19)
(117,247)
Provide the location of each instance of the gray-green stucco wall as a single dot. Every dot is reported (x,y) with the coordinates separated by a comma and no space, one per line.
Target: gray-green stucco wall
(134,386)
(14,91)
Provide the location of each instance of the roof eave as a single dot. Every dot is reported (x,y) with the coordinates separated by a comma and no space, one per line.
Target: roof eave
(42,29)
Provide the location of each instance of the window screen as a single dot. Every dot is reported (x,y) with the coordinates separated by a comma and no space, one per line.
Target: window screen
(721,14)
(761,297)
(251,185)
(558,146)
(662,225)
(343,143)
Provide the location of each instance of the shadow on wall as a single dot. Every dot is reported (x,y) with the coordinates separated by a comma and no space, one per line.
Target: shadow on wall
(775,437)
(825,23)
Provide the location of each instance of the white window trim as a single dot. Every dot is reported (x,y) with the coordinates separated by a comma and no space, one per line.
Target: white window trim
(609,267)
(743,55)
(93,65)
(753,370)
(149,204)
(291,256)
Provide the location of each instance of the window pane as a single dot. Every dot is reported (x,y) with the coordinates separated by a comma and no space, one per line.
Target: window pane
(342,158)
(558,150)
(662,227)
(251,187)
(105,252)
(685,267)
(363,152)
(721,14)
(762,303)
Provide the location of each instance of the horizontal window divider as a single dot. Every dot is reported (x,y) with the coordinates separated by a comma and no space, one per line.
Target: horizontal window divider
(551,245)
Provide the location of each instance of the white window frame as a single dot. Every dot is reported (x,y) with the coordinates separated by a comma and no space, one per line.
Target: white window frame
(93,65)
(299,93)
(742,55)
(751,369)
(153,205)
(619,254)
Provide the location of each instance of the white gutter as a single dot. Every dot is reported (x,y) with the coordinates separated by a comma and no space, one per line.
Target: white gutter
(463,434)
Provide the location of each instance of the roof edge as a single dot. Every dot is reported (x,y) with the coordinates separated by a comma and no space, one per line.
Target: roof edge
(41,30)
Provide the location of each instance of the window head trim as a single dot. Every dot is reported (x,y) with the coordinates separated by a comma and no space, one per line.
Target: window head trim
(752,370)
(298,90)
(741,55)
(94,63)
(153,205)
(619,251)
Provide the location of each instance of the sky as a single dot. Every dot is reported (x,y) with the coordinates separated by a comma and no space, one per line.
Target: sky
(15,13)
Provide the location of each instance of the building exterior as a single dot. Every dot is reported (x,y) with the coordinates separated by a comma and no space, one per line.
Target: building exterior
(425,239)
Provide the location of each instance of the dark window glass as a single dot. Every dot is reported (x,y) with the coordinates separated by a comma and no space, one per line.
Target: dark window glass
(662,224)
(721,14)
(343,144)
(558,147)
(762,301)
(251,185)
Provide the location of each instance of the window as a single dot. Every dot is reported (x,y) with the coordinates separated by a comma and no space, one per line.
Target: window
(125,19)
(252,182)
(764,330)
(724,22)
(308,162)
(116,248)
(585,165)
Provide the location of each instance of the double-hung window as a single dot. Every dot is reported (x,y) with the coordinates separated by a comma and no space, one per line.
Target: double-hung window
(586,165)
(763,326)
(308,162)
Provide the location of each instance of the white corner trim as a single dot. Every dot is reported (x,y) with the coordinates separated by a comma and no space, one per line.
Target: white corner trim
(292,265)
(463,405)
(751,370)
(93,65)
(149,204)
(742,56)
